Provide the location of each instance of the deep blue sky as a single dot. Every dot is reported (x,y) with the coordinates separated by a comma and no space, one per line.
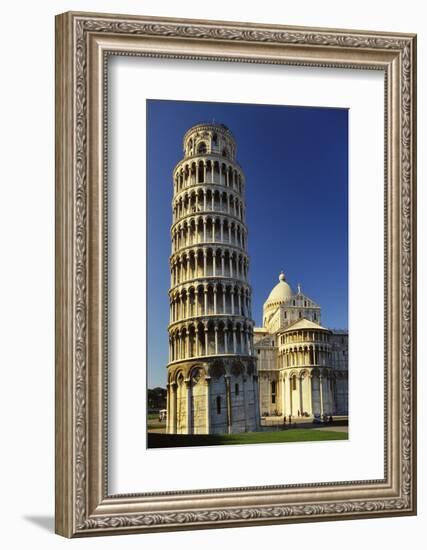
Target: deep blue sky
(295,161)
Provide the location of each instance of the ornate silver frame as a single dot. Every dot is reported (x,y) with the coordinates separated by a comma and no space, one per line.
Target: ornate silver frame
(83,505)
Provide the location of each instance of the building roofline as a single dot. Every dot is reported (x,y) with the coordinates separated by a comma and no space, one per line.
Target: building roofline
(217,125)
(292,325)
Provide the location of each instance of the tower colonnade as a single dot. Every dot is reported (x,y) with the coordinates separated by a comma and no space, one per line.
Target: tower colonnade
(197,229)
(207,169)
(209,337)
(207,199)
(209,298)
(208,261)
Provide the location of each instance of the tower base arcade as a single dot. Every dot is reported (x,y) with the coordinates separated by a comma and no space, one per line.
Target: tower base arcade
(217,395)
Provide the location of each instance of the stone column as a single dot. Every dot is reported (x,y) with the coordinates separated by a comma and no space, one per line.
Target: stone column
(178,345)
(184,344)
(184,306)
(290,382)
(245,404)
(205,267)
(168,407)
(205,312)
(222,264)
(301,402)
(232,302)
(330,396)
(174,411)
(256,398)
(234,339)
(321,394)
(196,301)
(223,299)
(189,427)
(208,404)
(214,295)
(284,395)
(225,339)
(206,341)
(228,400)
(310,395)
(216,340)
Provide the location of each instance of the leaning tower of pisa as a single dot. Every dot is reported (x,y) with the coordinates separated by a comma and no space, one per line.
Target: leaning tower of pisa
(212,376)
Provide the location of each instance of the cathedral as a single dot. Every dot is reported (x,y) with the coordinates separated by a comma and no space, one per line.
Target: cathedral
(225,375)
(302,366)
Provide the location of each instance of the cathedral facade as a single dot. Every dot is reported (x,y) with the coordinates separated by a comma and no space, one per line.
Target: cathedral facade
(302,366)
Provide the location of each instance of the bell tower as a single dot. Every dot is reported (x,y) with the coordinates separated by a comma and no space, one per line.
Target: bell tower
(212,376)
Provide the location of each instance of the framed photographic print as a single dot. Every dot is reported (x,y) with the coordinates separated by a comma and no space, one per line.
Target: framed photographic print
(235,274)
(226,376)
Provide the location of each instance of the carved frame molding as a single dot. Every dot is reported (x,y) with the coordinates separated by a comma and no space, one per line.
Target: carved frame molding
(83,43)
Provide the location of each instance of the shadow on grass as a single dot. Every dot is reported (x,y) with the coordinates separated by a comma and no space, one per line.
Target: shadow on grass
(156,440)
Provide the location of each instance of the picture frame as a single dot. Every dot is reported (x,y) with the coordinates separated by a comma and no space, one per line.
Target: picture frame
(84,506)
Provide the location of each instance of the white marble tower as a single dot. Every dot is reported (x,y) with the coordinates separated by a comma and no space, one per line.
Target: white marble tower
(212,376)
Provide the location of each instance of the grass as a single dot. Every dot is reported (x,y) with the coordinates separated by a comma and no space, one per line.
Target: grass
(156,440)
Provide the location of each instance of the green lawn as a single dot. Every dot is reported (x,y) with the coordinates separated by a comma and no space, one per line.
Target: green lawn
(158,440)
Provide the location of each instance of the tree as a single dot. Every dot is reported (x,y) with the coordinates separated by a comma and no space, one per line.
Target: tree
(156,398)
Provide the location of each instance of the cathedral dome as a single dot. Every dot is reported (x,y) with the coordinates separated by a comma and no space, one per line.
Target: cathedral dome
(281,292)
